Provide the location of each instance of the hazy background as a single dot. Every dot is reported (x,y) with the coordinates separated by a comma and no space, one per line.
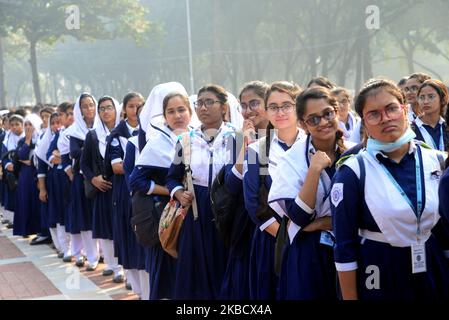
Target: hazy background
(124,45)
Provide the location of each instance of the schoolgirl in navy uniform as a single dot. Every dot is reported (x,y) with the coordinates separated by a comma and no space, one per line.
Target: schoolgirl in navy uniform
(282,133)
(3,132)
(201,252)
(79,214)
(349,121)
(43,236)
(109,111)
(10,141)
(151,109)
(235,284)
(391,201)
(431,127)
(58,182)
(44,174)
(411,88)
(149,177)
(300,190)
(129,253)
(27,213)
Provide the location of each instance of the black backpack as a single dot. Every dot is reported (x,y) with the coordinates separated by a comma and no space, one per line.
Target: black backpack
(223,205)
(146,213)
(12,177)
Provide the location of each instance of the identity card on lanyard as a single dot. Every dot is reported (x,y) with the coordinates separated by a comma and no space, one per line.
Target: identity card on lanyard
(418,248)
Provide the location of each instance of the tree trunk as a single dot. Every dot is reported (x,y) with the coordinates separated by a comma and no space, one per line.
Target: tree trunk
(367,63)
(34,73)
(358,68)
(410,64)
(2,78)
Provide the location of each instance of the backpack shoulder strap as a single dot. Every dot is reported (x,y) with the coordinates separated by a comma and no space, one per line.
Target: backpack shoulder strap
(362,173)
(263,157)
(186,144)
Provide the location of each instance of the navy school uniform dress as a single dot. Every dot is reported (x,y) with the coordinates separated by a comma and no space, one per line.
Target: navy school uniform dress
(58,186)
(137,255)
(263,281)
(127,250)
(436,138)
(308,270)
(387,224)
(2,185)
(202,255)
(158,152)
(442,232)
(79,217)
(43,172)
(102,203)
(9,195)
(27,219)
(235,284)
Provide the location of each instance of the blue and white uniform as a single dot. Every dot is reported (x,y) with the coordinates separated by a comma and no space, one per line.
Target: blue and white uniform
(151,169)
(78,221)
(352,125)
(102,203)
(435,137)
(308,270)
(201,252)
(27,213)
(375,227)
(125,245)
(263,281)
(235,284)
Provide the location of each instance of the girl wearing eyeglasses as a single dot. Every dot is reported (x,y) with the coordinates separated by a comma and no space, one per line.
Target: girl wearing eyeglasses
(235,284)
(92,166)
(201,252)
(261,160)
(148,177)
(390,239)
(431,126)
(349,122)
(411,88)
(300,190)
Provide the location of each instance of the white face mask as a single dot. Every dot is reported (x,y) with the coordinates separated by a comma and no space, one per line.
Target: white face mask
(374,145)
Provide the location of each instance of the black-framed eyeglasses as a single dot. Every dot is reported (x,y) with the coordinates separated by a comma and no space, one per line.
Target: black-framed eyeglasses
(253,105)
(286,107)
(106,108)
(315,120)
(207,102)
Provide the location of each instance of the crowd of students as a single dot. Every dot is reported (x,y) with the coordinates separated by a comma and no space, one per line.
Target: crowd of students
(337,198)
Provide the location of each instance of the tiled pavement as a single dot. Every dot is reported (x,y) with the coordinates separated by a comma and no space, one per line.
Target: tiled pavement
(35,272)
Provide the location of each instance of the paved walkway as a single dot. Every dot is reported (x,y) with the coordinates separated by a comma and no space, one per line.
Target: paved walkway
(35,272)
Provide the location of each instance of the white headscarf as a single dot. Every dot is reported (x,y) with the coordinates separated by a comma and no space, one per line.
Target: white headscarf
(103,131)
(44,143)
(153,105)
(11,140)
(36,122)
(235,112)
(160,148)
(79,127)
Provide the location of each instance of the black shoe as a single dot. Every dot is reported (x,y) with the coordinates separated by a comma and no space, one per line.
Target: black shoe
(10,225)
(40,240)
(5,221)
(128,286)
